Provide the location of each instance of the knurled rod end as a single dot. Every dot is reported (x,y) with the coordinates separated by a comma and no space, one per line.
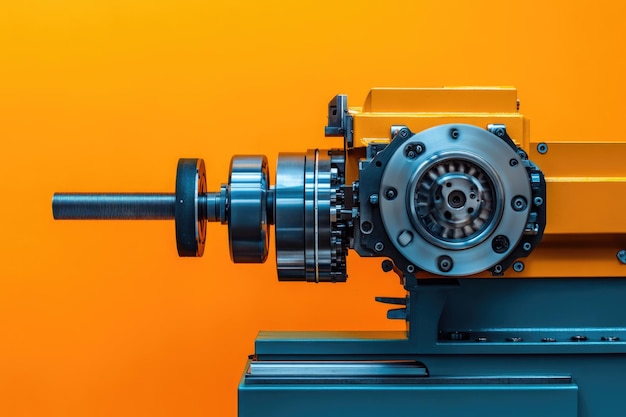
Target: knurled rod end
(113,206)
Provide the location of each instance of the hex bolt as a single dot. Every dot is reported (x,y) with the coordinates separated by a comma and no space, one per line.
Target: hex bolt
(379,246)
(373,199)
(513,162)
(542,148)
(454,133)
(519,203)
(445,263)
(518,266)
(366,226)
(621,255)
(500,244)
(391,193)
(537,201)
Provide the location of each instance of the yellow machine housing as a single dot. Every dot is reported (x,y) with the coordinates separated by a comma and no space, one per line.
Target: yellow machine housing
(585,182)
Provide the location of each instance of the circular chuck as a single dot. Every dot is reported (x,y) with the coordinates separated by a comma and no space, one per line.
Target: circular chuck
(311,239)
(466,203)
(188,211)
(248,226)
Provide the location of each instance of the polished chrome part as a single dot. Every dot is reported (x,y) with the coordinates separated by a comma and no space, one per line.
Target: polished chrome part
(215,207)
(456,196)
(309,243)
(248,228)
(289,219)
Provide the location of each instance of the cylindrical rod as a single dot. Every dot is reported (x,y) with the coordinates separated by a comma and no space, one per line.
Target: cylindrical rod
(136,206)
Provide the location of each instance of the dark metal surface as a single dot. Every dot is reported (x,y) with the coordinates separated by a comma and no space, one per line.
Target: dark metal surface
(189,213)
(105,206)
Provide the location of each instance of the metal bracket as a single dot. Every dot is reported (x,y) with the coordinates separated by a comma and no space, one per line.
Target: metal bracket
(339,120)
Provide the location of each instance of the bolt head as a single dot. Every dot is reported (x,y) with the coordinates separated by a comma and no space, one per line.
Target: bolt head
(387,265)
(391,193)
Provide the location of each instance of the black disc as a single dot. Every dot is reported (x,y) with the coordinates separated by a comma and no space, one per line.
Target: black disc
(190,223)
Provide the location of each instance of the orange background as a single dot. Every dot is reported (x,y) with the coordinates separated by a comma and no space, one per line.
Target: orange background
(102,319)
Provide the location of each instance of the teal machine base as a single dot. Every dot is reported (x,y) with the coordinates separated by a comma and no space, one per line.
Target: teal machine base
(476,347)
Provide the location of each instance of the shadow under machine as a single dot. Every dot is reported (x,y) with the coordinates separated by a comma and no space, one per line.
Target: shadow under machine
(511,253)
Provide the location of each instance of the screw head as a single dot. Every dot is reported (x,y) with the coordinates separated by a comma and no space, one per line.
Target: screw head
(518,266)
(379,246)
(500,244)
(445,263)
(515,339)
(386,265)
(458,335)
(366,226)
(373,199)
(542,148)
(609,339)
(519,203)
(454,133)
(391,193)
(513,162)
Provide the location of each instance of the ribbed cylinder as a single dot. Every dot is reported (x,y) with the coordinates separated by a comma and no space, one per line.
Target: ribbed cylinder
(136,206)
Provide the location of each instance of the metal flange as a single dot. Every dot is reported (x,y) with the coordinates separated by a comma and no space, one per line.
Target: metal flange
(189,213)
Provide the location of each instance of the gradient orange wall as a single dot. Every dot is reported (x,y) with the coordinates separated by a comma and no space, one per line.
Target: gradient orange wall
(103,319)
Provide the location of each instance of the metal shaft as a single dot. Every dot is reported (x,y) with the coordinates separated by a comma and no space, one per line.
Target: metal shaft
(113,206)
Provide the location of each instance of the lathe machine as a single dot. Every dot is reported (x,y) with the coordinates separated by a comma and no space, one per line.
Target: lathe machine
(511,252)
